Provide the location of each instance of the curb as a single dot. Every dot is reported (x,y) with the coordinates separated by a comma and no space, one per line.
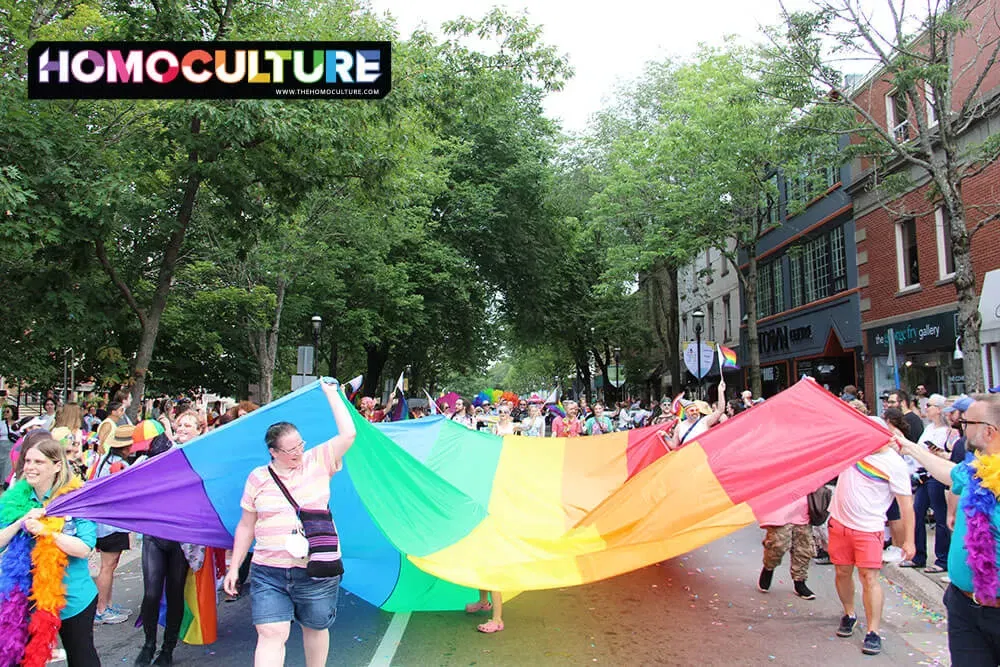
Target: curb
(916,584)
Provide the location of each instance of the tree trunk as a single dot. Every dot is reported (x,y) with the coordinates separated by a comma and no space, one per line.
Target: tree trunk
(267,354)
(376,357)
(753,344)
(673,327)
(602,366)
(969,317)
(151,326)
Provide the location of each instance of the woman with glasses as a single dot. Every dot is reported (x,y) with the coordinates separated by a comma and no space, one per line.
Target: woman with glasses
(280,588)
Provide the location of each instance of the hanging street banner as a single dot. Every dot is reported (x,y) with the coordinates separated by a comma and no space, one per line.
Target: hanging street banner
(691,357)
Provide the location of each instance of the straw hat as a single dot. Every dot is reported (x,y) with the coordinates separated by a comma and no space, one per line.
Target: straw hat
(122,437)
(701,406)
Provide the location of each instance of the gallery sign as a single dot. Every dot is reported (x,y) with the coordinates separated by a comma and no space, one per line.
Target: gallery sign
(922,334)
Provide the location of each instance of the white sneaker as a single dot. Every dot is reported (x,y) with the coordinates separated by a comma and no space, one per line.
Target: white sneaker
(892,554)
(110,617)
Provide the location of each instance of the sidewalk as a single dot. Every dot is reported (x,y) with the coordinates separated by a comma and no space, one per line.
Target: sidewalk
(928,589)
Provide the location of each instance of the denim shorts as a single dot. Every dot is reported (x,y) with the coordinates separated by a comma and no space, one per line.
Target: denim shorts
(279,594)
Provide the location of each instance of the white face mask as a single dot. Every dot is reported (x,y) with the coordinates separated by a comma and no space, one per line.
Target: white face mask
(297,545)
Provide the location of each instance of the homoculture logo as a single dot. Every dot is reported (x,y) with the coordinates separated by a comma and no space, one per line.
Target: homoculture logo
(209,70)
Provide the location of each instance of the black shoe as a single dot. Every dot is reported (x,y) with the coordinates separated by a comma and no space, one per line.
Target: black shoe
(873,644)
(847,625)
(145,655)
(764,583)
(803,591)
(165,658)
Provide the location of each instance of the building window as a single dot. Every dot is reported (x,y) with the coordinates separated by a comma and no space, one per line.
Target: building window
(795,276)
(727,314)
(812,181)
(817,269)
(765,291)
(838,256)
(929,103)
(896,118)
(946,258)
(779,287)
(770,291)
(724,269)
(711,320)
(684,326)
(906,253)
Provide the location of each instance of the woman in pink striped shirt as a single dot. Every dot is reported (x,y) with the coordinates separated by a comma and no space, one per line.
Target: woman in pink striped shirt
(280,589)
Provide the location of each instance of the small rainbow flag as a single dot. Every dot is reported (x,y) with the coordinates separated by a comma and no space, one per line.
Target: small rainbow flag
(727,357)
(557,409)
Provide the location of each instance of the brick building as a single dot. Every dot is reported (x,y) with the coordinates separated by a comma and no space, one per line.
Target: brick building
(904,259)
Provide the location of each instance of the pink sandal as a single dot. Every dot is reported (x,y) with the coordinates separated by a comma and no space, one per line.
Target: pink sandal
(490,626)
(478,606)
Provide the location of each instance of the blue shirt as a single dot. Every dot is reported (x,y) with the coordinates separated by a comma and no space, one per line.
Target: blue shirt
(80,588)
(958,567)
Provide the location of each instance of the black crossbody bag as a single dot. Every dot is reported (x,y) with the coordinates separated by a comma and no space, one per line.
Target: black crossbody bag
(324,543)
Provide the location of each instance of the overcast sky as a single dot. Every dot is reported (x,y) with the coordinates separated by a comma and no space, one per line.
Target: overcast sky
(606,42)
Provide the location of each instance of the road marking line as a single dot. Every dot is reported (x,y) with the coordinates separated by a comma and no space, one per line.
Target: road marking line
(390,640)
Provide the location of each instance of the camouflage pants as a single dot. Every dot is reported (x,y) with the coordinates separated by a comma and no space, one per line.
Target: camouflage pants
(779,539)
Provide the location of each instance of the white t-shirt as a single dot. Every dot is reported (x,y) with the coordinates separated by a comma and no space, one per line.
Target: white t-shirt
(688,432)
(942,436)
(865,491)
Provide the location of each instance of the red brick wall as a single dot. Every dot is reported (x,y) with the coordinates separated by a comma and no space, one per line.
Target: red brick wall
(985,29)
(880,244)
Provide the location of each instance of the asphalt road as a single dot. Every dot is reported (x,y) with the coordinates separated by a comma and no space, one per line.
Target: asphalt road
(699,609)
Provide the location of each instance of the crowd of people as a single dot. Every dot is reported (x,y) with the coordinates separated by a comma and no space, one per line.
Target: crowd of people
(873,512)
(68,445)
(878,510)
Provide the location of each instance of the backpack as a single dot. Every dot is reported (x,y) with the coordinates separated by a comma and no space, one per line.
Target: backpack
(819,505)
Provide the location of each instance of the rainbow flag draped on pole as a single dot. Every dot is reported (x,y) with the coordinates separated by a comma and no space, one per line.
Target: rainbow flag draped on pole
(430,511)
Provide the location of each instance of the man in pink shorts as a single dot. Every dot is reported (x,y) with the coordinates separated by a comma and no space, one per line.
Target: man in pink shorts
(857,522)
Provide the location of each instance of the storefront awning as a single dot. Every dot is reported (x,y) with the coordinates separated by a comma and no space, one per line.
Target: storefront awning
(989,308)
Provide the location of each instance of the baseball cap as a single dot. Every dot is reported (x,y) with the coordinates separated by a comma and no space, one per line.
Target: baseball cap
(937,400)
(961,404)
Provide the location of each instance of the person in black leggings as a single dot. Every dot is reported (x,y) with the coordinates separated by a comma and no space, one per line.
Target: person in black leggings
(164,567)
(163,563)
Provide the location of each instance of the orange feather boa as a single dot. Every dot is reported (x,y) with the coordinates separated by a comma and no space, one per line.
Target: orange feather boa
(48,592)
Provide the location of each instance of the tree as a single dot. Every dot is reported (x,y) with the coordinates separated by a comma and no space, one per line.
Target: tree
(697,169)
(940,64)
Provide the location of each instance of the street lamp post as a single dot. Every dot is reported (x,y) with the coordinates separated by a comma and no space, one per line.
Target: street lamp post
(698,316)
(317,323)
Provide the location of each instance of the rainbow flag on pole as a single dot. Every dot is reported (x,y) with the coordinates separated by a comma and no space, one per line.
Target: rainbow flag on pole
(727,357)
(200,623)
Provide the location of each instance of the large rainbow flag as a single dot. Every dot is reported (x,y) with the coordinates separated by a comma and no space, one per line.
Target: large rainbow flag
(429,509)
